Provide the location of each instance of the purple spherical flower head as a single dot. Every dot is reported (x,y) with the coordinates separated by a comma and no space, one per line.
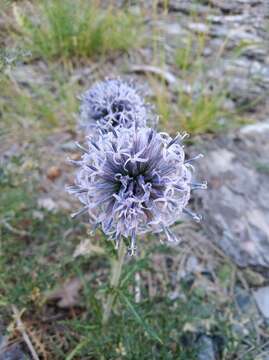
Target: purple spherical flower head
(133,182)
(112,103)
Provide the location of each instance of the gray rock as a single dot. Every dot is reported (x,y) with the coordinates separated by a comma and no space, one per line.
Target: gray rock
(256,52)
(187,7)
(172,29)
(200,28)
(246,305)
(14,353)
(236,204)
(235,6)
(235,33)
(206,348)
(217,19)
(236,29)
(247,80)
(257,128)
(247,317)
(262,299)
(10,351)
(192,264)
(29,75)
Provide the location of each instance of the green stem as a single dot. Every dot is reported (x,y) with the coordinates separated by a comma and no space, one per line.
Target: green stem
(114,282)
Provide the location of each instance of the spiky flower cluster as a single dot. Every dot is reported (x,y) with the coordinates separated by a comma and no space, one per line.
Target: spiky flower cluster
(131,179)
(112,103)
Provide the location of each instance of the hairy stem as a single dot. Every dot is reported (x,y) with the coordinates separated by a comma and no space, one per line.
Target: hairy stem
(114,282)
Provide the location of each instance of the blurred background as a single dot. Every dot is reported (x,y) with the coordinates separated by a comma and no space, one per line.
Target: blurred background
(204,64)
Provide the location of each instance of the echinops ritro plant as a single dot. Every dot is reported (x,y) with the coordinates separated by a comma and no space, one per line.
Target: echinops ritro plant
(132,182)
(131,179)
(113,103)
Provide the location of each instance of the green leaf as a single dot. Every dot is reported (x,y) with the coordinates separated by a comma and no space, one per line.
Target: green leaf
(138,318)
(139,265)
(73,353)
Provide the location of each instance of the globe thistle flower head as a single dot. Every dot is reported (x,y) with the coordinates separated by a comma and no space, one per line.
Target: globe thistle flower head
(112,103)
(134,182)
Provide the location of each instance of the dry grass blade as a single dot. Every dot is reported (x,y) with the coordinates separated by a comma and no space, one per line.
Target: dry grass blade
(22,330)
(163,74)
(12,229)
(137,290)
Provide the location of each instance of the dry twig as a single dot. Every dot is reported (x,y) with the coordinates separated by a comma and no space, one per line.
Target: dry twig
(21,328)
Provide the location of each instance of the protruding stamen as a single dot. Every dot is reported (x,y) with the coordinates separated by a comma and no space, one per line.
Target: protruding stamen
(150,136)
(199,156)
(178,187)
(80,212)
(200,186)
(114,147)
(184,136)
(107,225)
(95,145)
(102,131)
(193,215)
(114,132)
(76,189)
(132,248)
(173,140)
(81,148)
(93,168)
(74,162)
(93,231)
(117,243)
(171,237)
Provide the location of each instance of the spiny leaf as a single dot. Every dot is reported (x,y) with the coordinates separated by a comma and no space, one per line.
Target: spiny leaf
(138,318)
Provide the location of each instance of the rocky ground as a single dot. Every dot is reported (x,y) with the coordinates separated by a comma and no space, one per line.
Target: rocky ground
(234,233)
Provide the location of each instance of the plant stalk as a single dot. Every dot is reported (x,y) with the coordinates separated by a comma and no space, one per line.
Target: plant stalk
(114,282)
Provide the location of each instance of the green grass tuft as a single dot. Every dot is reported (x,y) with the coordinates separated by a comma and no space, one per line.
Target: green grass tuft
(64,29)
(189,55)
(32,110)
(195,113)
(200,114)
